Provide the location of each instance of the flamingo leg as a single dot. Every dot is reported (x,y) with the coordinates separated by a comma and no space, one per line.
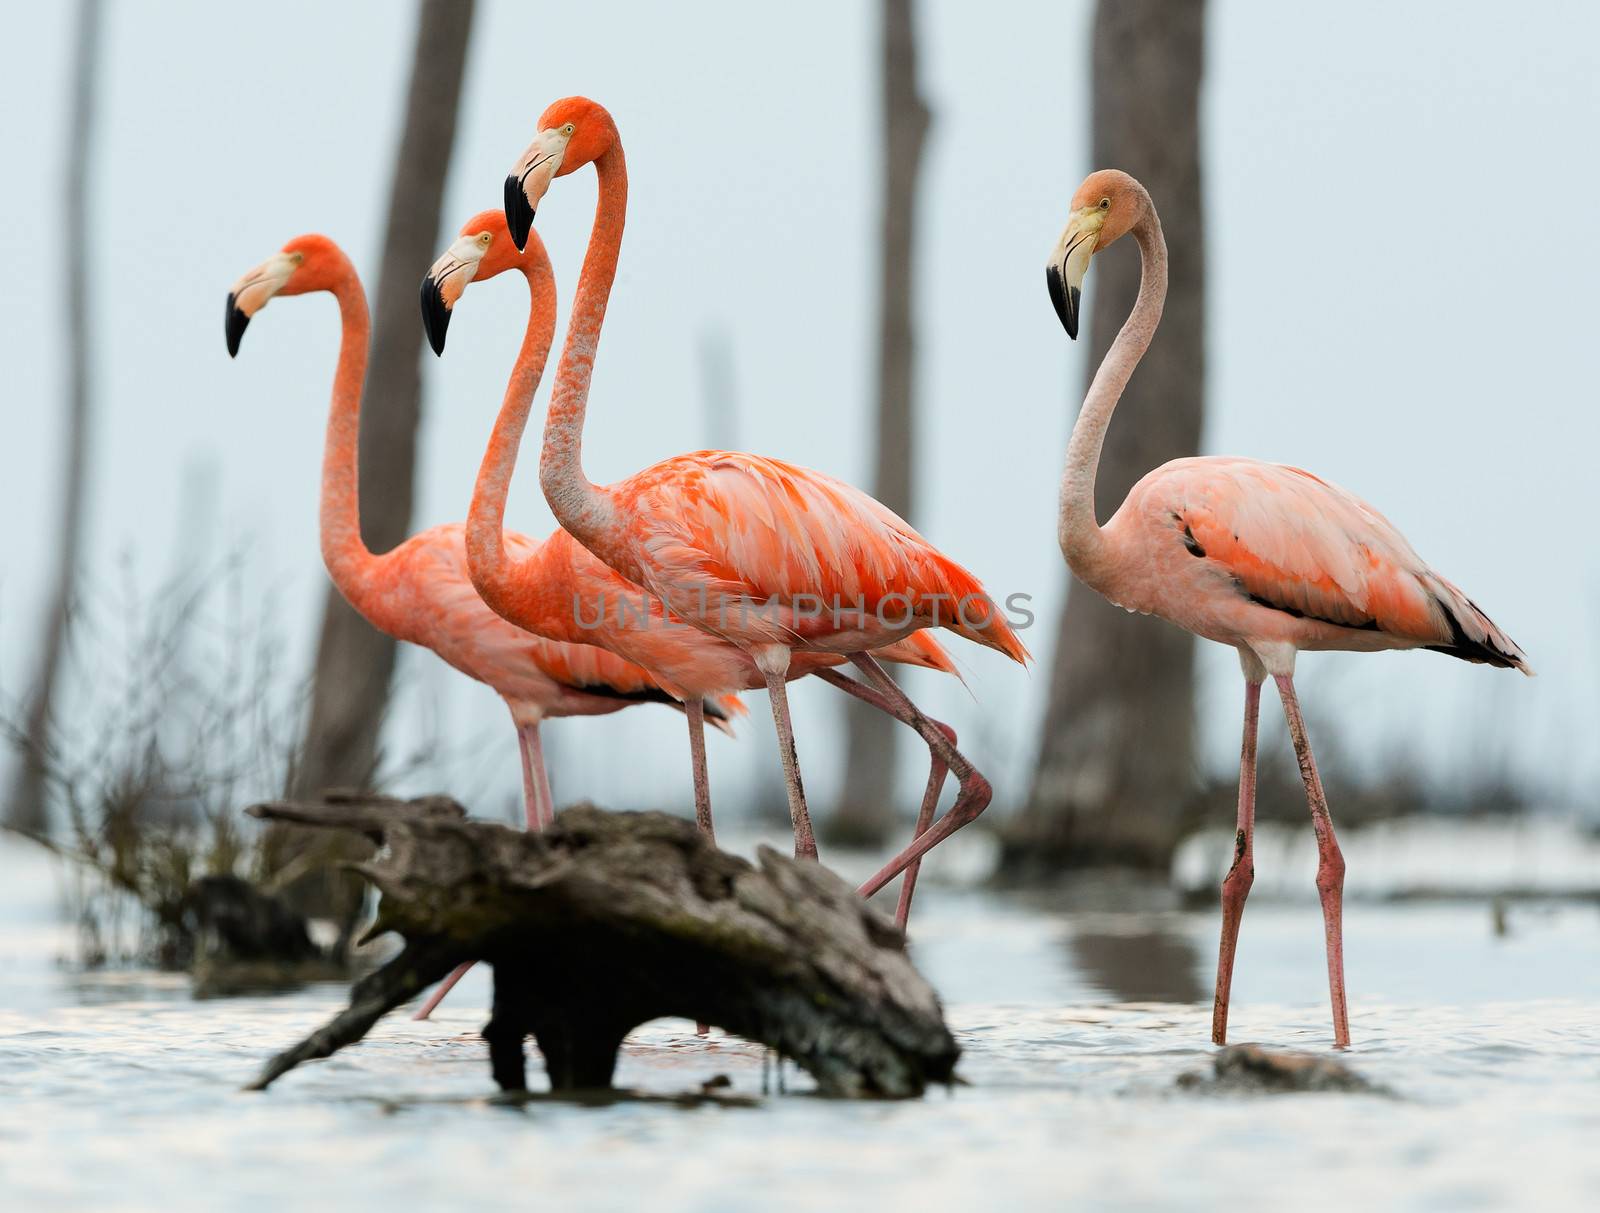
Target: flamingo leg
(971,799)
(443,988)
(542,813)
(530,794)
(937,769)
(1242,874)
(805,839)
(537,810)
(695,710)
(1330,862)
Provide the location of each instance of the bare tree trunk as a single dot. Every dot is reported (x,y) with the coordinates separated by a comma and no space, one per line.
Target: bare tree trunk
(865,813)
(25,805)
(350,682)
(1116,773)
(350,687)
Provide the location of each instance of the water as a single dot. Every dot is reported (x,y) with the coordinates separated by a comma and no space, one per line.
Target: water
(122,1092)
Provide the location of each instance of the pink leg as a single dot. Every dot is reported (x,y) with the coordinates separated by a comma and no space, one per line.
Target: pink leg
(695,710)
(1330,863)
(937,769)
(537,811)
(543,810)
(971,800)
(930,801)
(532,818)
(805,839)
(1236,884)
(443,988)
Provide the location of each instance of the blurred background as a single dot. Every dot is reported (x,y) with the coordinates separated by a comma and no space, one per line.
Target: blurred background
(1381,271)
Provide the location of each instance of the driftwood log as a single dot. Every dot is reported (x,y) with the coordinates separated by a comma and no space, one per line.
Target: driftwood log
(608,920)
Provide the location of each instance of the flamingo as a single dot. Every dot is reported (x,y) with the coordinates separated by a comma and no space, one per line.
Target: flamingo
(1264,557)
(420,591)
(538,592)
(773,558)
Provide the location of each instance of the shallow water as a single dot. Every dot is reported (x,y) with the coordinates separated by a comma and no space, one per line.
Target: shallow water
(122,1092)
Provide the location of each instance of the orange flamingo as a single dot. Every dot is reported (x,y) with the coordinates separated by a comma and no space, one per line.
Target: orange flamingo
(421,591)
(774,559)
(1261,556)
(543,592)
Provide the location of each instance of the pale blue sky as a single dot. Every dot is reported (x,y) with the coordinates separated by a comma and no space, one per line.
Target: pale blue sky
(1401,298)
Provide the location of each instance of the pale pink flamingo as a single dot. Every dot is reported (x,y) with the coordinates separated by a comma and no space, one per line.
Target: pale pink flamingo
(1260,556)
(546,592)
(421,591)
(770,557)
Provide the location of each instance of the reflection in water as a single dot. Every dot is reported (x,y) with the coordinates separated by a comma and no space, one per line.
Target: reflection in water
(1144,962)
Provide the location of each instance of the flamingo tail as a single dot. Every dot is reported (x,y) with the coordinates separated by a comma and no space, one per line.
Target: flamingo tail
(1473,635)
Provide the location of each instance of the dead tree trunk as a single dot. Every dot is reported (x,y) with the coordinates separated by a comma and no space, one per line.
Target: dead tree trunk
(1116,770)
(25,804)
(865,812)
(350,687)
(354,663)
(608,920)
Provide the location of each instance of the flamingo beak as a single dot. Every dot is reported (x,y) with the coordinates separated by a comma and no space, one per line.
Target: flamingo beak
(435,314)
(519,212)
(530,178)
(444,284)
(250,294)
(1068,264)
(236,323)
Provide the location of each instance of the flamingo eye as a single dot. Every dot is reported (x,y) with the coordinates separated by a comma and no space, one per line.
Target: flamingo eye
(568,129)
(297,259)
(1105,204)
(484,239)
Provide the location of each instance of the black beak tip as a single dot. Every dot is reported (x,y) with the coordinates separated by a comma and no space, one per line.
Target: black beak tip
(235,326)
(1064,298)
(519,215)
(435,315)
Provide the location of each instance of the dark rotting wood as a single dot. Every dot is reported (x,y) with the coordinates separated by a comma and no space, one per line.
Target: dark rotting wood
(506,1029)
(416,968)
(609,920)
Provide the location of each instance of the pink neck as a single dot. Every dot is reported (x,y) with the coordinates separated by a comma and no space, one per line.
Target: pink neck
(1082,541)
(497,579)
(582,509)
(350,564)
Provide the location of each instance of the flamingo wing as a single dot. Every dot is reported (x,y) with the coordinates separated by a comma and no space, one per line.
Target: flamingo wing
(435,605)
(920,649)
(729,525)
(1295,543)
(599,671)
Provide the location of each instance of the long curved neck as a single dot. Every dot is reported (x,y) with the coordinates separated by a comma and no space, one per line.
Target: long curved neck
(349,562)
(493,572)
(1082,541)
(585,511)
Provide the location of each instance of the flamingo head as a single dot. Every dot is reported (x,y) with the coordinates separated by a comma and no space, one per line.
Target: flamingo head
(1107,205)
(483,249)
(306,263)
(573,132)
